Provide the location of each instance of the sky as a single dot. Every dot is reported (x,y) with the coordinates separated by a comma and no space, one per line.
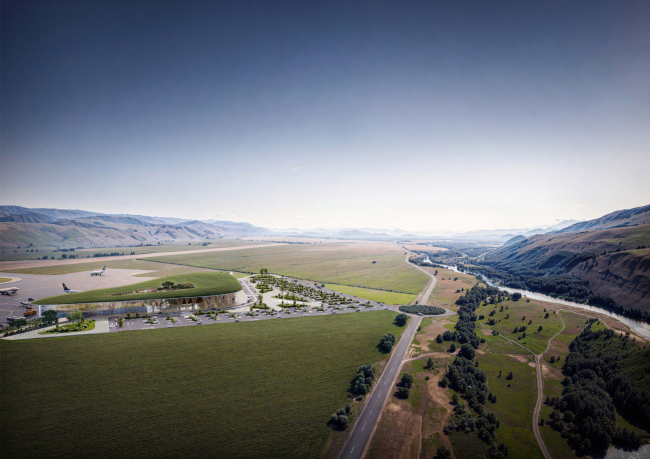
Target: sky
(433,115)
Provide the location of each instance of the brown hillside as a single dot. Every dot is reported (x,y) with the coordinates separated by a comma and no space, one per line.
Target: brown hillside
(624,276)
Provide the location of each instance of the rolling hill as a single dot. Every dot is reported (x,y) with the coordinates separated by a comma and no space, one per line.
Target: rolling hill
(606,263)
(21,226)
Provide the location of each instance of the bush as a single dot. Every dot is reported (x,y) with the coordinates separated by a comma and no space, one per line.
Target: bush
(401,319)
(387,342)
(422,309)
(403,392)
(443,453)
(407,380)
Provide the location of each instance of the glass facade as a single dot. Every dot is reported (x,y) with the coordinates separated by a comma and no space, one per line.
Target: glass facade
(144,306)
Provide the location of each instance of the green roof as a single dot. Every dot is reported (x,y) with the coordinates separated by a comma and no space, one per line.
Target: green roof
(205,284)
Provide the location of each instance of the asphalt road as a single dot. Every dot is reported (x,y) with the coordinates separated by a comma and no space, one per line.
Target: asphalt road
(182,321)
(362,431)
(385,386)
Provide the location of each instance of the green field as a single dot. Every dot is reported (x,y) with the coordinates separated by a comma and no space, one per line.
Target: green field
(239,390)
(13,254)
(515,404)
(534,340)
(205,284)
(343,264)
(4,279)
(374,295)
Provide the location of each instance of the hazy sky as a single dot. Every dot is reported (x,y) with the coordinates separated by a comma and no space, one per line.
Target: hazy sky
(425,115)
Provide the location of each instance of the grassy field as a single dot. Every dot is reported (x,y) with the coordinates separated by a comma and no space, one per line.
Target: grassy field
(374,295)
(518,310)
(37,253)
(444,293)
(204,284)
(515,404)
(255,389)
(367,265)
(4,279)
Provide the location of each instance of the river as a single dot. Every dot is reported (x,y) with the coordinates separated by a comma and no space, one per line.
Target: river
(638,326)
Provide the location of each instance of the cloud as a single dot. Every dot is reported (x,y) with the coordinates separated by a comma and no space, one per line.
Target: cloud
(295,169)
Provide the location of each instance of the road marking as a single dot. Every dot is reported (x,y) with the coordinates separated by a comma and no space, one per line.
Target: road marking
(352,449)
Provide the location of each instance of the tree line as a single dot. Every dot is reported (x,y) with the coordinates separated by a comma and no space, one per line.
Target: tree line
(595,388)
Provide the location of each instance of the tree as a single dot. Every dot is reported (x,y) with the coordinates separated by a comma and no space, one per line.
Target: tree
(452,348)
(387,342)
(343,422)
(120,322)
(348,408)
(443,453)
(444,382)
(403,392)
(516,296)
(401,319)
(430,362)
(467,351)
(439,339)
(50,316)
(553,359)
(510,376)
(454,399)
(407,380)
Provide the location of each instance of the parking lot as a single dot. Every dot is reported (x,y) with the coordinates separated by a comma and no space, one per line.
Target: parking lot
(183,320)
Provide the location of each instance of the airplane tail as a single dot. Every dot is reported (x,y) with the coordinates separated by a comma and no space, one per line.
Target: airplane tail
(104,268)
(65,288)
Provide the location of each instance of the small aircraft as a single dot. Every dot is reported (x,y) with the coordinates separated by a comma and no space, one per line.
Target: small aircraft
(67,290)
(25,303)
(99,272)
(8,290)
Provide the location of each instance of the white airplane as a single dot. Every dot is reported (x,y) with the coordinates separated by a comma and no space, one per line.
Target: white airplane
(25,303)
(67,290)
(99,272)
(8,290)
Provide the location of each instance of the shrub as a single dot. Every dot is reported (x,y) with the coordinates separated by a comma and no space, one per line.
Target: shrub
(403,392)
(407,380)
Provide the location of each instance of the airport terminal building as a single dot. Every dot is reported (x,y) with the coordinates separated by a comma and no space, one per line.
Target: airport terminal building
(163,305)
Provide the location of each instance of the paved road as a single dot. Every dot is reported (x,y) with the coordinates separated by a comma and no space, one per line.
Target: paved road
(385,386)
(427,294)
(363,428)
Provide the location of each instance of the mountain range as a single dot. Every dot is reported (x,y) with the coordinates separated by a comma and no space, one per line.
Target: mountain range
(610,255)
(56,227)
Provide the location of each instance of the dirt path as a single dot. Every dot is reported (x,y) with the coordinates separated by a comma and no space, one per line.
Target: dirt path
(8,265)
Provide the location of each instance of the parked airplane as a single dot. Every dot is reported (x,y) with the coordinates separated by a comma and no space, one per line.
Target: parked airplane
(8,290)
(99,272)
(25,303)
(67,290)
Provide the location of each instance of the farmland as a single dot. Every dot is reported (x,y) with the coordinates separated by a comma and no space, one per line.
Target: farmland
(392,298)
(256,389)
(369,265)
